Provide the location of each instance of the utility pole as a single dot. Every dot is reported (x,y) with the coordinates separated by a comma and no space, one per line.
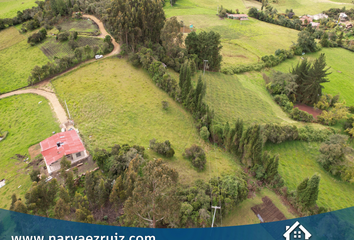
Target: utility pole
(215,207)
(205,62)
(67,109)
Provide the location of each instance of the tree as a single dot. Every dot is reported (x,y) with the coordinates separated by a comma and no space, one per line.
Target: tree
(20,207)
(13,201)
(70,184)
(324,40)
(307,191)
(34,175)
(306,41)
(64,195)
(340,111)
(118,195)
(154,198)
(171,37)
(102,193)
(61,209)
(82,213)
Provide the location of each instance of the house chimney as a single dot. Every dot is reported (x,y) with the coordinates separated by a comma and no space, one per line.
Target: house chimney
(58,144)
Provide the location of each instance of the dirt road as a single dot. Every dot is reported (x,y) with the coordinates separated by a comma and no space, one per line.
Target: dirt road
(54,102)
(103,34)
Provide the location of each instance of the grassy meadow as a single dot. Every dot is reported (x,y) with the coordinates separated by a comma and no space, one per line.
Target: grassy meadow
(17,61)
(27,123)
(112,102)
(242,96)
(298,161)
(341,80)
(78,25)
(9,8)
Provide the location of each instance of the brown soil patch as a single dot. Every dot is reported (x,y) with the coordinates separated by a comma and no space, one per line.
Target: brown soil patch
(268,211)
(34,150)
(314,112)
(185,29)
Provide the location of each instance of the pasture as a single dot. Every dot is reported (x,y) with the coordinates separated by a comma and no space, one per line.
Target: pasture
(55,49)
(243,42)
(17,61)
(112,102)
(242,96)
(28,123)
(9,8)
(297,160)
(341,80)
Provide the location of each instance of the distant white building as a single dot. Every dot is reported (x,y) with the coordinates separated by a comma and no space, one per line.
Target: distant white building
(343,17)
(318,16)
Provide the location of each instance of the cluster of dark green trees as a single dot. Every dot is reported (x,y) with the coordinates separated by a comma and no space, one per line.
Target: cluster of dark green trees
(37,37)
(163,148)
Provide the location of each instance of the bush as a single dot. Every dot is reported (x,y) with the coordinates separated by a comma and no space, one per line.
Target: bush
(34,175)
(63,36)
(197,155)
(300,115)
(310,134)
(164,148)
(37,37)
(204,133)
(283,101)
(277,133)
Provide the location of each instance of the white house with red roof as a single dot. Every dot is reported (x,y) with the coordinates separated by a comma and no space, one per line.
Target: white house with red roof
(62,144)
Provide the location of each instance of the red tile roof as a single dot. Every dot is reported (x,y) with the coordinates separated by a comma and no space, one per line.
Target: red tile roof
(70,143)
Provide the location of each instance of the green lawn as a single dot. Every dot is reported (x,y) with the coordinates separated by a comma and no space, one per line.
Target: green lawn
(17,61)
(112,102)
(242,96)
(298,161)
(9,8)
(28,123)
(341,79)
(243,214)
(9,37)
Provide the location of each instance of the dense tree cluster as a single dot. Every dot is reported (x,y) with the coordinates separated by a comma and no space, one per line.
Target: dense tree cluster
(37,37)
(138,21)
(207,46)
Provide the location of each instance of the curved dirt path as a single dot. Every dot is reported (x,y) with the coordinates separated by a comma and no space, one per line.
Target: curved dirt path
(103,34)
(52,98)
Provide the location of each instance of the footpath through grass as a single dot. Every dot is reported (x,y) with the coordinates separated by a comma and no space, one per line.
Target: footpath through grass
(112,102)
(341,79)
(298,161)
(28,123)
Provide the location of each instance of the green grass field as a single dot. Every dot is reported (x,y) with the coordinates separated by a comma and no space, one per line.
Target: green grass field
(341,79)
(243,214)
(244,42)
(17,61)
(242,96)
(112,102)
(9,37)
(9,8)
(28,123)
(298,161)
(52,48)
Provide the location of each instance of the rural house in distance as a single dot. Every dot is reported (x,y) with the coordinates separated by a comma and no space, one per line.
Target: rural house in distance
(64,143)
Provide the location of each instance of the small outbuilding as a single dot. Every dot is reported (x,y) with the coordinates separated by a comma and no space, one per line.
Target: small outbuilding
(67,144)
(349,26)
(343,17)
(306,20)
(2,183)
(318,16)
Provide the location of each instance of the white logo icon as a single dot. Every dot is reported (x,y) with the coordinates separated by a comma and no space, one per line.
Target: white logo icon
(297,232)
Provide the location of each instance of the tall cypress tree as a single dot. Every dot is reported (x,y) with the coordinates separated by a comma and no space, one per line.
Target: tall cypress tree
(237,136)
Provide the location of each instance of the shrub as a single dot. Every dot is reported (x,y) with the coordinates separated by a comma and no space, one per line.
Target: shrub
(197,155)
(204,133)
(165,105)
(300,115)
(277,133)
(164,148)
(63,36)
(310,134)
(34,175)
(283,101)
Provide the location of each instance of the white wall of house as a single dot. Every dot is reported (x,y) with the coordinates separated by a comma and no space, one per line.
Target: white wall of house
(73,158)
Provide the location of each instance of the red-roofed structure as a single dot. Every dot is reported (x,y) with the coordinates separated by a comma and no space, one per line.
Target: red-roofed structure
(60,144)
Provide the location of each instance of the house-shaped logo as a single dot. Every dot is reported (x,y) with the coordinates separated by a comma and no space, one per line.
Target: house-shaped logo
(296,231)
